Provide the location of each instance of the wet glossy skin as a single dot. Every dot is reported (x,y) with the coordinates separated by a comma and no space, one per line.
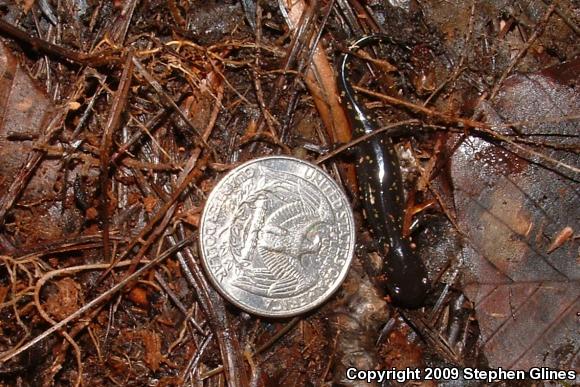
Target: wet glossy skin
(380,183)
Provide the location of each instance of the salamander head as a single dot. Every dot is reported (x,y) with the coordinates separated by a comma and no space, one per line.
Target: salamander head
(410,295)
(409,287)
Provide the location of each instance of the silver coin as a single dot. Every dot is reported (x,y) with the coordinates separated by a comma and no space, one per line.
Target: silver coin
(277,236)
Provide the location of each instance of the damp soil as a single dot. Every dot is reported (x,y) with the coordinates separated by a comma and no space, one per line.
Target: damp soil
(117,118)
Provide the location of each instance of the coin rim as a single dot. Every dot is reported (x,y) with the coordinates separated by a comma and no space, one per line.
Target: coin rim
(325,296)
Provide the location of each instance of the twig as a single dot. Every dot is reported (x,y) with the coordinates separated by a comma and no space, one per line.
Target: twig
(214,308)
(277,336)
(97,301)
(55,247)
(27,170)
(467,123)
(296,44)
(446,118)
(459,68)
(256,74)
(165,98)
(56,51)
(178,303)
(538,31)
(176,13)
(303,67)
(192,365)
(363,138)
(217,370)
(321,82)
(119,103)
(565,15)
(164,213)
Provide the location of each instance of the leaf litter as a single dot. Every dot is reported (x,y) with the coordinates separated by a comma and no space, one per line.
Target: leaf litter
(117,118)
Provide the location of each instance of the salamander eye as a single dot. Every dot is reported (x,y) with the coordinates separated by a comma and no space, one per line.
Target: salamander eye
(396,290)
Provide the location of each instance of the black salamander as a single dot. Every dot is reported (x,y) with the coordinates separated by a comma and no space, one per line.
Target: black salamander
(379,177)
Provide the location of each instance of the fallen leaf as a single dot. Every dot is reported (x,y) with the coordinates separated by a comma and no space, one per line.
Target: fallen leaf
(138,296)
(25,111)
(561,238)
(526,301)
(150,202)
(92,213)
(74,105)
(3,293)
(65,300)
(152,344)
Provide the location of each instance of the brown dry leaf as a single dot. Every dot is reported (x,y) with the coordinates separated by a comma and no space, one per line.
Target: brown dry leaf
(150,202)
(192,218)
(138,296)
(198,109)
(92,213)
(526,300)
(169,381)
(152,343)
(398,352)
(117,365)
(26,5)
(25,111)
(561,238)
(66,299)
(3,293)
(74,105)
(24,108)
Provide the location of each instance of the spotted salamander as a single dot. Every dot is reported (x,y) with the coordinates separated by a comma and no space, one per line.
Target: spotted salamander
(380,183)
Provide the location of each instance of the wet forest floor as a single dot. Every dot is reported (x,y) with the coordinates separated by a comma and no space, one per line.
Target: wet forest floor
(118,117)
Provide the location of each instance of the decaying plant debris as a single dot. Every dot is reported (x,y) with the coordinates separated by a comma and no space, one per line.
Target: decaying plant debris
(118,117)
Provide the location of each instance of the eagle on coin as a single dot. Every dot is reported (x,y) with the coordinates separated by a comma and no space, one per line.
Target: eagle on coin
(290,227)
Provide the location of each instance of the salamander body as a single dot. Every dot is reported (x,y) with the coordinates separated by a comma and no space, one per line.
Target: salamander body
(380,183)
